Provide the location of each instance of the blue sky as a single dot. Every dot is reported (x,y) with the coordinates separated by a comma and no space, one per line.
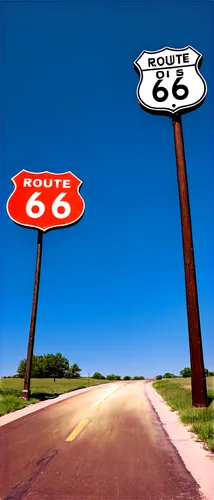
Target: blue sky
(112,295)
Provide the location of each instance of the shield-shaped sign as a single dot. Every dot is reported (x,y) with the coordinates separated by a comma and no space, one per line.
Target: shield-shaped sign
(45,200)
(170,81)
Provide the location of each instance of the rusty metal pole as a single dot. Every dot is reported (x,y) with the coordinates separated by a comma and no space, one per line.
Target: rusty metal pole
(199,389)
(26,389)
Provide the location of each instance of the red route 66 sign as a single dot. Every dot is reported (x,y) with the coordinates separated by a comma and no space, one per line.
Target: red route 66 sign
(45,200)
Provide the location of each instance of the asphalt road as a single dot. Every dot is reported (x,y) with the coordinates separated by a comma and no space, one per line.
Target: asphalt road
(119,451)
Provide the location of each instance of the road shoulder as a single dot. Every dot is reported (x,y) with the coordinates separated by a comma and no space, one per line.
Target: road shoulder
(198,461)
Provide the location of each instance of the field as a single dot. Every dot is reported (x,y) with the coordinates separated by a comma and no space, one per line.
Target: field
(177,393)
(41,389)
(187,383)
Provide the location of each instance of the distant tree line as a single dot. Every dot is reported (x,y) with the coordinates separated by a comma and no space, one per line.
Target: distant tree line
(186,372)
(112,376)
(57,366)
(50,366)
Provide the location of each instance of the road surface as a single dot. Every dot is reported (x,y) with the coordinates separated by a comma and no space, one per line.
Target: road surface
(88,447)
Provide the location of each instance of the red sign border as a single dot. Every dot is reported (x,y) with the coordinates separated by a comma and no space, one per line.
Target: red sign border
(52,227)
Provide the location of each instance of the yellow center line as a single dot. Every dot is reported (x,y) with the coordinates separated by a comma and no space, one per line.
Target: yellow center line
(99,404)
(85,421)
(77,430)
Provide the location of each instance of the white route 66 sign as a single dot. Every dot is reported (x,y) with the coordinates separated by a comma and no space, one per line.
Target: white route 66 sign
(170,80)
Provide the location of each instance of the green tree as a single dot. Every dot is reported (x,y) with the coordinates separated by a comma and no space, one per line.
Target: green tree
(186,372)
(73,371)
(168,375)
(55,366)
(206,372)
(98,376)
(112,376)
(37,369)
(139,377)
(126,377)
(21,368)
(159,377)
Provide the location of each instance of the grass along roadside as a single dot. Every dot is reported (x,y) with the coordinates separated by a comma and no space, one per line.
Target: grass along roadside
(41,389)
(177,393)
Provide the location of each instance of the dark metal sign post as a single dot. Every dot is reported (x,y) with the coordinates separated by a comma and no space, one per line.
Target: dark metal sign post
(26,390)
(171,84)
(199,389)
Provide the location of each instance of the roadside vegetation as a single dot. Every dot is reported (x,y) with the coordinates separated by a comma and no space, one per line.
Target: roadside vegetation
(177,393)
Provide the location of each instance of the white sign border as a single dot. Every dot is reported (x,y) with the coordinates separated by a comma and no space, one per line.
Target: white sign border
(167,111)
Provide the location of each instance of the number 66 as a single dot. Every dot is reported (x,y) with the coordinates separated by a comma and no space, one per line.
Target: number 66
(175,89)
(33,202)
